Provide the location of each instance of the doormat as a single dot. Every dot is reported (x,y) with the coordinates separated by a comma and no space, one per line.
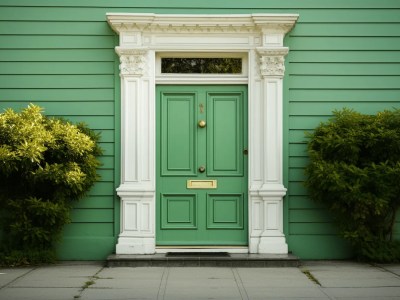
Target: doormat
(197,254)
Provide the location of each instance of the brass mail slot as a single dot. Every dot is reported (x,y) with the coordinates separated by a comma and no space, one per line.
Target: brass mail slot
(201,184)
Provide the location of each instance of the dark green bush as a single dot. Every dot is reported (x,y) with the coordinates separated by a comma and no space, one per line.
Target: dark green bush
(355,170)
(45,165)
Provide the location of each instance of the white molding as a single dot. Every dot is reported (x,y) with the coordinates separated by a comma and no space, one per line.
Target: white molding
(259,37)
(209,80)
(206,23)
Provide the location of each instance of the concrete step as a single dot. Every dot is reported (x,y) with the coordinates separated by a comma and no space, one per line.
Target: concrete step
(196,259)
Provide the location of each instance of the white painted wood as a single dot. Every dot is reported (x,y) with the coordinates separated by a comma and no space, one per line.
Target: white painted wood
(256,37)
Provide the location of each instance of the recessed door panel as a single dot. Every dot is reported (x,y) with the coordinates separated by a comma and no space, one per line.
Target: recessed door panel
(224,138)
(225,211)
(178,134)
(178,211)
(201,165)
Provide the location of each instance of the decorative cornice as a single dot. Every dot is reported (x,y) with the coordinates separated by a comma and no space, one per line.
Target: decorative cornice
(132,61)
(276,23)
(281,51)
(121,22)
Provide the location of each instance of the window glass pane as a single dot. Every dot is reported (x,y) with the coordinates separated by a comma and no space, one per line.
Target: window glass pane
(197,65)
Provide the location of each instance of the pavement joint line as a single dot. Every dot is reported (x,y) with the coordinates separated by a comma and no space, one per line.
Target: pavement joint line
(90,282)
(310,276)
(15,279)
(163,284)
(324,291)
(384,269)
(239,284)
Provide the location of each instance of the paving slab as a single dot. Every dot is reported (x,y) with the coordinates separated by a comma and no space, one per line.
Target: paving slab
(394,268)
(193,292)
(119,294)
(125,283)
(91,281)
(368,298)
(131,273)
(274,277)
(9,275)
(288,293)
(38,293)
(203,283)
(363,293)
(351,275)
(57,276)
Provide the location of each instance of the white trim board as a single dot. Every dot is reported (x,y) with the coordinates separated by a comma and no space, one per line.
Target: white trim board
(258,38)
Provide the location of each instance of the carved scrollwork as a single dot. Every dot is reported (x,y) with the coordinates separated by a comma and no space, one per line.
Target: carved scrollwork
(272,66)
(132,61)
(272,61)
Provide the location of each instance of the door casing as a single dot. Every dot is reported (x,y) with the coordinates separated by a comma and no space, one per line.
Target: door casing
(260,37)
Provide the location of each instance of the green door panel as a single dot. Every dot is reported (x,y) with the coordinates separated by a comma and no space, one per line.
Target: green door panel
(178,211)
(225,211)
(201,216)
(178,134)
(225,134)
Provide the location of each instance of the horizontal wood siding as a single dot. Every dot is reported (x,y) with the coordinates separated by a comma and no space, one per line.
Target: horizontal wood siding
(59,54)
(68,68)
(350,61)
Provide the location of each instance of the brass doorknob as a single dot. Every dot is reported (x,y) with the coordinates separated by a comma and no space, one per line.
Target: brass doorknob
(202,169)
(202,123)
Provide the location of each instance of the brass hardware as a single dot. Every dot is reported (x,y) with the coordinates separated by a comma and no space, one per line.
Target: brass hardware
(202,169)
(202,123)
(201,184)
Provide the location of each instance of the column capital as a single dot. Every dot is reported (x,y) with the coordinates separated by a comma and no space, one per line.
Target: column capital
(132,61)
(272,61)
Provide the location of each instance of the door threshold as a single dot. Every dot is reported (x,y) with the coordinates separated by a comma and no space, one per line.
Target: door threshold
(183,249)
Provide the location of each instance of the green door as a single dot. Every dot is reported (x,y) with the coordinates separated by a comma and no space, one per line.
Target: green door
(201,165)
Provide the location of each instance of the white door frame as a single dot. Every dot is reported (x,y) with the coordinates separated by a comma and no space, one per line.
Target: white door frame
(260,38)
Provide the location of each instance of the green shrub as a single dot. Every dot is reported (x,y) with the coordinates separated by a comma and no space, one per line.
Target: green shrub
(355,170)
(45,165)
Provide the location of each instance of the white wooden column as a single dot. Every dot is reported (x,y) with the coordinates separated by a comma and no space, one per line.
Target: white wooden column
(266,194)
(137,189)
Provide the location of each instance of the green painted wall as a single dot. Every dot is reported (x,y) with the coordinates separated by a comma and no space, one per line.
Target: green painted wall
(59,54)
(338,58)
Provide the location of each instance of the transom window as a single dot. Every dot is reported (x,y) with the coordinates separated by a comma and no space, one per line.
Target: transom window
(201,65)
(189,65)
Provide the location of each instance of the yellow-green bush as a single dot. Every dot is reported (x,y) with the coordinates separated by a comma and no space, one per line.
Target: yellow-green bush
(45,165)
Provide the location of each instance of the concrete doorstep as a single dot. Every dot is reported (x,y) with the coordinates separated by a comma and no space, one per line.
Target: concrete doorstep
(202,259)
(310,280)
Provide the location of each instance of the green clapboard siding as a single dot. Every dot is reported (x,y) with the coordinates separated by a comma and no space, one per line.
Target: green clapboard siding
(56,68)
(353,61)
(68,68)
(56,55)
(60,55)
(53,95)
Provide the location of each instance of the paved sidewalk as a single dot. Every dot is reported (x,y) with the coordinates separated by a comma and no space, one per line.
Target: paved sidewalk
(90,280)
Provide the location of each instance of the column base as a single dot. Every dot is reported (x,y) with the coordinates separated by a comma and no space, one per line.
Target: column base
(273,245)
(134,245)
